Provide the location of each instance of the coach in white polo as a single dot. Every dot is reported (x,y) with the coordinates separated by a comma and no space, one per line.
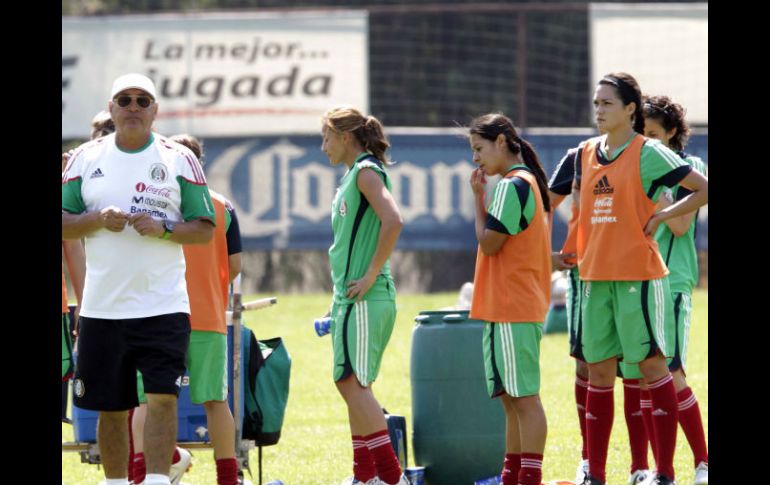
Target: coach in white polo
(135,197)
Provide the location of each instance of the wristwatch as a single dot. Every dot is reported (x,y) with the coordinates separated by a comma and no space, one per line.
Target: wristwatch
(168,229)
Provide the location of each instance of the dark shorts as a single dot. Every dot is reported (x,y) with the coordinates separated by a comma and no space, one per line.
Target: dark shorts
(111,351)
(574,316)
(682,315)
(66,348)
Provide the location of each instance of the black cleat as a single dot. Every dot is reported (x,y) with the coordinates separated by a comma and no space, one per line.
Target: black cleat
(662,480)
(592,481)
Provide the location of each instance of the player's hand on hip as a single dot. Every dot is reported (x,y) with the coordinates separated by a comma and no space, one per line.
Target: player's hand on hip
(559,261)
(358,288)
(145,225)
(652,225)
(113,219)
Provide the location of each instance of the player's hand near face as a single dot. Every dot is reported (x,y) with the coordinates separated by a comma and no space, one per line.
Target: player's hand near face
(478,182)
(145,225)
(113,219)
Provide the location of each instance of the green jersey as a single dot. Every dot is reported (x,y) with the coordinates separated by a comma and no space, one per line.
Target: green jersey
(509,214)
(356,230)
(679,253)
(659,166)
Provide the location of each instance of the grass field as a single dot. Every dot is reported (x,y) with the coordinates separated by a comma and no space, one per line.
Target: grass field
(315,443)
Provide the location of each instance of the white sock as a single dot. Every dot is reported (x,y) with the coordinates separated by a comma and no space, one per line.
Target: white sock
(116,481)
(156,479)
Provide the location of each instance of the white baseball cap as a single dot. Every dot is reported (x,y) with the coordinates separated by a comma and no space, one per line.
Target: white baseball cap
(133,81)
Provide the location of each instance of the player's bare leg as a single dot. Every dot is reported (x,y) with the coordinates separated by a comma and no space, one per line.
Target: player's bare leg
(512,462)
(532,430)
(160,432)
(112,434)
(368,420)
(137,427)
(363,408)
(221,428)
(512,433)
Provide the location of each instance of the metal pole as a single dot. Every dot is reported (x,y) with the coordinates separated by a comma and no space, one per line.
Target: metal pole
(237,378)
(521,54)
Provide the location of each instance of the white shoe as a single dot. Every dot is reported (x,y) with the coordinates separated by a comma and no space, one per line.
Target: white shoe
(655,479)
(702,473)
(352,481)
(401,481)
(639,476)
(648,480)
(582,471)
(179,468)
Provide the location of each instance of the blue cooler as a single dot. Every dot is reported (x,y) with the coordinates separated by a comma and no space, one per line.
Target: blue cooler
(191,418)
(84,422)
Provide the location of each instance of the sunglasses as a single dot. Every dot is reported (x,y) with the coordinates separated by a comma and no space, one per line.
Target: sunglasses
(124,100)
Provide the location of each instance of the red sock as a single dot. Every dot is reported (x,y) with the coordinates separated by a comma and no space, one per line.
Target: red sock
(531,469)
(690,420)
(227,471)
(646,405)
(363,463)
(665,418)
(176,456)
(130,446)
(139,467)
(511,467)
(599,416)
(637,436)
(388,468)
(581,390)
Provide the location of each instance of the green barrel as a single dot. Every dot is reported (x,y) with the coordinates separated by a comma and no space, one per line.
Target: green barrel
(556,320)
(458,432)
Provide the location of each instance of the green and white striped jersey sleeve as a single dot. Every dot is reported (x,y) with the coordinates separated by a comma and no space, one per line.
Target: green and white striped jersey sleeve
(196,200)
(660,167)
(372,165)
(72,179)
(699,166)
(512,207)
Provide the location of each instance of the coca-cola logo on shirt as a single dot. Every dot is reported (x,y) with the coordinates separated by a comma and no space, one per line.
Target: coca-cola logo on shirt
(159,191)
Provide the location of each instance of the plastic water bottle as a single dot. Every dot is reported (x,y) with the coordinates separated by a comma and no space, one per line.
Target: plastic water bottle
(416,475)
(489,481)
(322,325)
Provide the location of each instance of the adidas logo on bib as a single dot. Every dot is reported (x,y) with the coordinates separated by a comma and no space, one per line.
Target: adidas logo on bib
(603,187)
